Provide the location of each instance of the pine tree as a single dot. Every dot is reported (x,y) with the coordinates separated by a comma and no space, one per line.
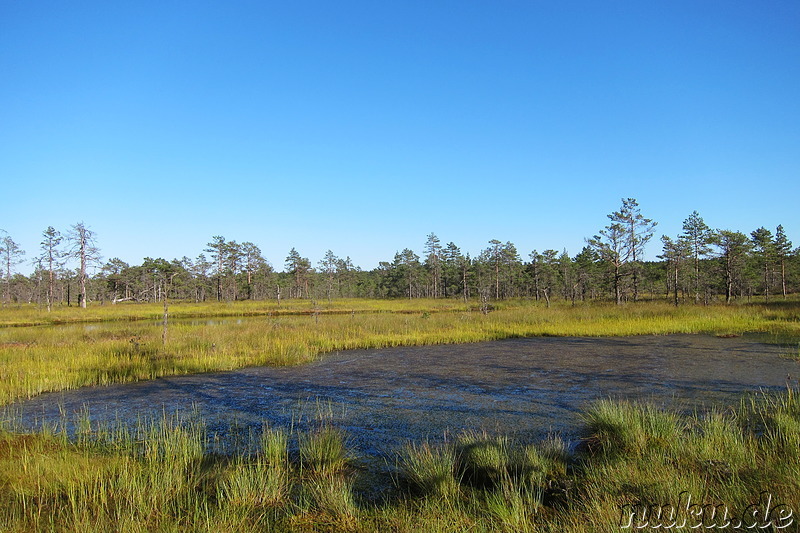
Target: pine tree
(783,249)
(609,244)
(638,231)
(51,256)
(698,236)
(734,247)
(765,248)
(433,261)
(300,268)
(11,255)
(621,244)
(328,267)
(675,253)
(218,250)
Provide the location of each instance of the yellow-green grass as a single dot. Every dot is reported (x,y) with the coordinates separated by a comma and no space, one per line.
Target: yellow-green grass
(32,315)
(159,477)
(36,359)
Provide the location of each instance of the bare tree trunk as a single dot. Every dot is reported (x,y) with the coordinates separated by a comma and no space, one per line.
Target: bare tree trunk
(82,276)
(8,278)
(166,314)
(86,251)
(82,294)
(728,279)
(50,284)
(783,277)
(675,288)
(497,281)
(696,278)
(464,283)
(167,283)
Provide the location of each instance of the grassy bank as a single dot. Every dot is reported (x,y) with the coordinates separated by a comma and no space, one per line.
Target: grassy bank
(35,359)
(159,477)
(31,315)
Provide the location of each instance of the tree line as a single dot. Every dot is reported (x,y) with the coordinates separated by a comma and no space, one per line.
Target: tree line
(700,265)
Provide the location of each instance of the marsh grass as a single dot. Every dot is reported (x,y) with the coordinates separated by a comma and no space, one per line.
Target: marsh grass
(513,507)
(161,476)
(51,358)
(262,481)
(31,315)
(431,471)
(646,456)
(333,496)
(323,451)
(633,429)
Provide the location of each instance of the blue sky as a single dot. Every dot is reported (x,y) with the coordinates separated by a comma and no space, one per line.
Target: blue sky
(361,127)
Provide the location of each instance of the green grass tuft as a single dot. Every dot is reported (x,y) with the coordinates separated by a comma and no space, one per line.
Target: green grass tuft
(323,451)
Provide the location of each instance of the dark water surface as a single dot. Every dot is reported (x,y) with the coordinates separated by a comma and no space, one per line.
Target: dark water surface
(386,397)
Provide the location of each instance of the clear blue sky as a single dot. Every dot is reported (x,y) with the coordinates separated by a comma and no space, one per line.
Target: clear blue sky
(364,126)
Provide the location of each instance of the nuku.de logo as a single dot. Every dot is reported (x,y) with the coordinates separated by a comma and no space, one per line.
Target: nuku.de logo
(688,514)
